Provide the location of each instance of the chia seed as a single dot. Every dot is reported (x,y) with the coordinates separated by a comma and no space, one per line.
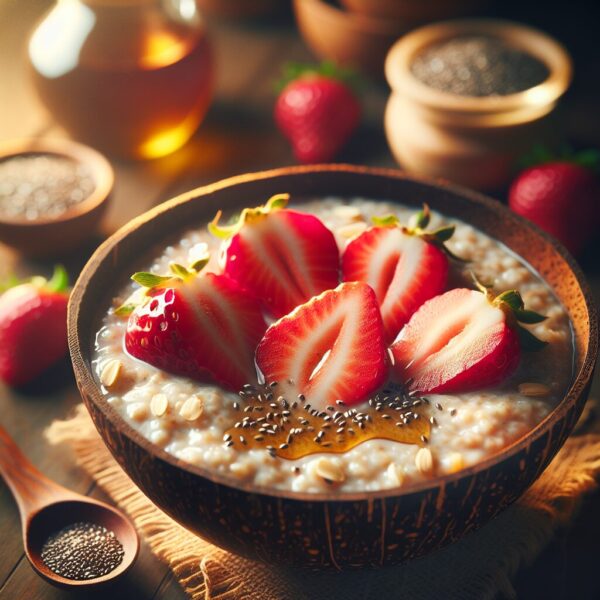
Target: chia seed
(38,186)
(477,65)
(82,551)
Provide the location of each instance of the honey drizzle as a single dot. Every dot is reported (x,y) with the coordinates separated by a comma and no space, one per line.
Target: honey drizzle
(294,429)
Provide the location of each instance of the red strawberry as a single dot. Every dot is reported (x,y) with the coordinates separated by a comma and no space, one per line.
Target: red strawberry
(204,327)
(405,266)
(317,112)
(563,198)
(33,327)
(284,257)
(331,348)
(463,340)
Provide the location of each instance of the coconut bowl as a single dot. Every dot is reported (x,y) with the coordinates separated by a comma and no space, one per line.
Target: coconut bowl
(330,530)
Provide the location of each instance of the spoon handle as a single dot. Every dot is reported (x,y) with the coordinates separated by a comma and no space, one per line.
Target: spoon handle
(31,489)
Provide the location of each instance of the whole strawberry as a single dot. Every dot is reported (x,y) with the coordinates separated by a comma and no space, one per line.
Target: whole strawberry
(562,197)
(33,327)
(317,110)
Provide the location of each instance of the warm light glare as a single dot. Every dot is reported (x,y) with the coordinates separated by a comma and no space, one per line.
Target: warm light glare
(539,95)
(162,49)
(55,46)
(169,140)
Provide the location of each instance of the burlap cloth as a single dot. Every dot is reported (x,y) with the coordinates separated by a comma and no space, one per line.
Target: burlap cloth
(480,566)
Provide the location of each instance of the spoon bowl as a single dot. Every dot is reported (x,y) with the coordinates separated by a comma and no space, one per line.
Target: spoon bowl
(46,508)
(54,517)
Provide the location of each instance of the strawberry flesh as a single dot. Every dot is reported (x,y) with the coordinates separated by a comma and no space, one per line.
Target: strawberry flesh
(331,348)
(404,270)
(456,342)
(285,258)
(206,328)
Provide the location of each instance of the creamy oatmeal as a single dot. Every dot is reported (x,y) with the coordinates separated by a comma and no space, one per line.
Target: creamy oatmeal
(191,420)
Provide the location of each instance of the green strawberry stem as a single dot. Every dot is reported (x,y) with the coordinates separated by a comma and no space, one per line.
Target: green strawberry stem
(511,302)
(417,226)
(540,154)
(294,70)
(150,281)
(248,215)
(58,283)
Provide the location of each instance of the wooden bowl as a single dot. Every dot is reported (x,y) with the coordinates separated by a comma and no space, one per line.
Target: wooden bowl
(347,38)
(471,140)
(416,12)
(56,236)
(329,530)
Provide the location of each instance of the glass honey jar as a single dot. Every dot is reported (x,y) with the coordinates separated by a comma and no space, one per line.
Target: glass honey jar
(131,77)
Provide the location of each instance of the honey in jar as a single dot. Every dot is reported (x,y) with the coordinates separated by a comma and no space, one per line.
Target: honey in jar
(131,77)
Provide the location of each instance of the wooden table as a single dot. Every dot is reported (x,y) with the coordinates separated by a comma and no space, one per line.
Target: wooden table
(237,136)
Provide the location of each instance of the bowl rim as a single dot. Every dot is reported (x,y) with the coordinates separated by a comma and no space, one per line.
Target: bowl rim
(86,380)
(370,24)
(101,170)
(533,41)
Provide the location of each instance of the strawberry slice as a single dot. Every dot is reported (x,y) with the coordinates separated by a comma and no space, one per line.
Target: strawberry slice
(404,265)
(331,348)
(284,257)
(463,340)
(204,327)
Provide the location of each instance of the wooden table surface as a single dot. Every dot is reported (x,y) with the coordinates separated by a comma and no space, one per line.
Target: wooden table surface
(237,136)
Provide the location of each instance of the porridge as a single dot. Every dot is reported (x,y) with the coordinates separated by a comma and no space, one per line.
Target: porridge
(273,435)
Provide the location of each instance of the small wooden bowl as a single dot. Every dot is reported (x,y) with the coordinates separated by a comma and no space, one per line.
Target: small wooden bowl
(471,140)
(56,236)
(329,530)
(416,12)
(347,38)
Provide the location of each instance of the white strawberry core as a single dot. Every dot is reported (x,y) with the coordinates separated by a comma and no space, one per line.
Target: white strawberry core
(411,249)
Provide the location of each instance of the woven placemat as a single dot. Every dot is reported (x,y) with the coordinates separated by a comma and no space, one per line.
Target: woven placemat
(479,567)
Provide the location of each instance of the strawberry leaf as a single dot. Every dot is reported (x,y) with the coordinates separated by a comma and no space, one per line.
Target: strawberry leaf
(443,234)
(125,310)
(248,215)
(529,317)
(199,264)
(59,281)
(149,280)
(421,219)
(386,221)
(512,298)
(294,70)
(528,341)
(180,271)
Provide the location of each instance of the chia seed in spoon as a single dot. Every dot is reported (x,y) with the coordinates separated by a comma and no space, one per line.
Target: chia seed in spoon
(82,551)
(477,65)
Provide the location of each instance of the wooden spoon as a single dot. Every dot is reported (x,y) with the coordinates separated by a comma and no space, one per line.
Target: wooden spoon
(47,507)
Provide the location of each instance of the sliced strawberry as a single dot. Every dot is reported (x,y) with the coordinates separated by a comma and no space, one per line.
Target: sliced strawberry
(284,257)
(204,327)
(462,340)
(331,348)
(404,265)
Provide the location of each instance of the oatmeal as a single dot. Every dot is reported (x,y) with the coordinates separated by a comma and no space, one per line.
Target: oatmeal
(427,436)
